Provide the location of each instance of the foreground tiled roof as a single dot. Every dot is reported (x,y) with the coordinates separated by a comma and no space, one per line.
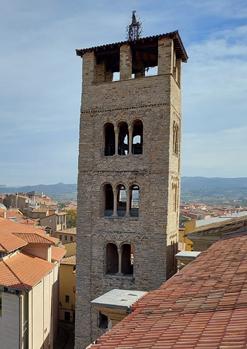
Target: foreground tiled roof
(34,238)
(57,253)
(10,242)
(22,271)
(25,232)
(203,306)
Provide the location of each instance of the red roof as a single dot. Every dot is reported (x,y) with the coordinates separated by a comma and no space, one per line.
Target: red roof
(9,242)
(57,253)
(16,235)
(22,271)
(203,306)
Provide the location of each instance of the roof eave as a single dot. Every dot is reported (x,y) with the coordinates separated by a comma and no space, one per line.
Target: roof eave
(172,35)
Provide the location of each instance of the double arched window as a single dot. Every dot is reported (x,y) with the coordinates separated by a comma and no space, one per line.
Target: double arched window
(121,202)
(123,139)
(119,259)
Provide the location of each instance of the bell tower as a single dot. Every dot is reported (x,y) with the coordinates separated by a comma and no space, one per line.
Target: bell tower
(129,170)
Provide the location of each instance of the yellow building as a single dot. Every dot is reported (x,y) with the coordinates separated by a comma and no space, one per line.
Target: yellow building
(67,284)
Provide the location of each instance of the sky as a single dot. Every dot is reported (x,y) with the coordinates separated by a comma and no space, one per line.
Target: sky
(40,81)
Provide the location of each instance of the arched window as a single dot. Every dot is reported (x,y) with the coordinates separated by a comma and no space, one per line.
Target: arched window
(109,139)
(111,259)
(127,259)
(137,137)
(123,139)
(121,200)
(109,201)
(134,200)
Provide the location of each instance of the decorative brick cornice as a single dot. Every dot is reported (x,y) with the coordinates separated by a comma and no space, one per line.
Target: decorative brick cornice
(142,106)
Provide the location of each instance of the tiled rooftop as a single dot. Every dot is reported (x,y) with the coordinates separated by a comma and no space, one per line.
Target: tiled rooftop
(22,271)
(71,260)
(57,253)
(17,232)
(10,242)
(203,306)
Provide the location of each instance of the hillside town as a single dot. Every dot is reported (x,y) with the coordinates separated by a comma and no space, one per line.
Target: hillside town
(129,263)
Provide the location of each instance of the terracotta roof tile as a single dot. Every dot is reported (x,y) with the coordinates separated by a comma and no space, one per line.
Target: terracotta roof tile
(203,306)
(71,260)
(26,232)
(21,271)
(34,238)
(57,253)
(9,242)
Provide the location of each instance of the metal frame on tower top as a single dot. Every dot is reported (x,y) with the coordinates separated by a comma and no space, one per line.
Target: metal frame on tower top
(134,29)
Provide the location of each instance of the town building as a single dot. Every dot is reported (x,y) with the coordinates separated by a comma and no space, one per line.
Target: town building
(203,306)
(67,288)
(129,171)
(54,222)
(66,236)
(29,267)
(200,234)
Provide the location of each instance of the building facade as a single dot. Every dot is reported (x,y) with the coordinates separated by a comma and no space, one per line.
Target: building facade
(29,267)
(129,171)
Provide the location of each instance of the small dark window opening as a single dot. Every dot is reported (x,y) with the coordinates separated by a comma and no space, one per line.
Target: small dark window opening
(111,259)
(123,139)
(137,138)
(134,200)
(127,261)
(121,200)
(109,140)
(66,298)
(67,316)
(102,321)
(108,200)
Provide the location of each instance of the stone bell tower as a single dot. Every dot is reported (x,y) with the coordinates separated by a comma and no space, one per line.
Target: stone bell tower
(129,170)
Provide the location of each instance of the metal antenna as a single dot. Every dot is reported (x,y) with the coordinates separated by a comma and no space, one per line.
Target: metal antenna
(134,29)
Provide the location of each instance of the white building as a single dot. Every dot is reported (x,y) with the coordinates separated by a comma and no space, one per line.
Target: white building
(29,264)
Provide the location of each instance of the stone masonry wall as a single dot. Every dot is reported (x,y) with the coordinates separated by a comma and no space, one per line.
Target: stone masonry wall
(147,99)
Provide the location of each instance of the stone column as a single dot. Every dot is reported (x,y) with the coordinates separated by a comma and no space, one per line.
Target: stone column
(128,202)
(119,259)
(116,130)
(88,71)
(130,138)
(125,62)
(165,56)
(115,193)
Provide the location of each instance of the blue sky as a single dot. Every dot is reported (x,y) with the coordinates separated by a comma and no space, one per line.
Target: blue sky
(40,81)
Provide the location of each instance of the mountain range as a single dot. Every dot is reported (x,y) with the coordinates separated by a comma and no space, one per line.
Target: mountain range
(211,190)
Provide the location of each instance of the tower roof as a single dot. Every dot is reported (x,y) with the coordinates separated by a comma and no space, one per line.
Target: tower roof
(181,52)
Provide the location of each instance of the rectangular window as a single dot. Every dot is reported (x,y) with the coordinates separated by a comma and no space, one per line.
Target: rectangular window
(67,316)
(102,321)
(67,298)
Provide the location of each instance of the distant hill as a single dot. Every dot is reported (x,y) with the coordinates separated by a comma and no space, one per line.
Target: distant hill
(213,190)
(59,191)
(210,190)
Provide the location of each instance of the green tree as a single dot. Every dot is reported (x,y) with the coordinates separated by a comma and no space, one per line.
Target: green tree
(71,218)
